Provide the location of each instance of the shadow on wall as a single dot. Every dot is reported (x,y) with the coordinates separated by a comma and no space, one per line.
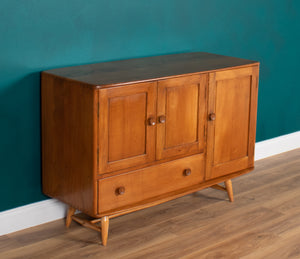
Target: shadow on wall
(20,154)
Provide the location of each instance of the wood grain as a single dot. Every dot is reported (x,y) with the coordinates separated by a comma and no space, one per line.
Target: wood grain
(69,142)
(109,74)
(231,135)
(229,189)
(70,213)
(232,119)
(104,229)
(126,138)
(182,102)
(108,145)
(127,127)
(263,222)
(150,182)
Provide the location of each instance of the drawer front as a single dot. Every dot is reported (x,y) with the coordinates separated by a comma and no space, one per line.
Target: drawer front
(136,186)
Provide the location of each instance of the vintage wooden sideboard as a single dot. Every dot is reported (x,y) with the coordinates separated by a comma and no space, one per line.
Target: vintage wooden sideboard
(126,135)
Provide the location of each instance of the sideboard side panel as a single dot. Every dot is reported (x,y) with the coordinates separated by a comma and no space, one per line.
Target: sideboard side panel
(68,146)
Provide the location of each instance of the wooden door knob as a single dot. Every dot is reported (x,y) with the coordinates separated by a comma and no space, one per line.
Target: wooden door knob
(120,190)
(187,172)
(162,119)
(212,116)
(151,121)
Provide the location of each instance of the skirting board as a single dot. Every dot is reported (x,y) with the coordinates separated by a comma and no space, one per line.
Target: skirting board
(275,146)
(31,215)
(49,210)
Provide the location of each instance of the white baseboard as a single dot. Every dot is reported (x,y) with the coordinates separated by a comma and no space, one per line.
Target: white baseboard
(275,146)
(49,210)
(31,215)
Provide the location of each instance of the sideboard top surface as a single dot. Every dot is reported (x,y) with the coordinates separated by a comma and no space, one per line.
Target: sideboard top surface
(116,73)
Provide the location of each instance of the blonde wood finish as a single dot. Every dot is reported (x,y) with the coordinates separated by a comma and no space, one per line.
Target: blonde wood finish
(263,222)
(69,142)
(70,213)
(113,146)
(181,104)
(86,223)
(92,224)
(126,137)
(170,196)
(229,190)
(231,134)
(104,229)
(116,73)
(149,182)
(218,187)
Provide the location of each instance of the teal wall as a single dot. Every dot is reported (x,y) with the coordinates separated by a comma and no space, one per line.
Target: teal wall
(41,34)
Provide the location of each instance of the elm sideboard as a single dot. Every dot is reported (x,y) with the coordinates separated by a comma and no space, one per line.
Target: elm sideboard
(126,135)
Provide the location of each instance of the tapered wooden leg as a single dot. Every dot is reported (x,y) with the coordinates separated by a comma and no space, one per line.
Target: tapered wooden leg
(228,185)
(70,213)
(104,229)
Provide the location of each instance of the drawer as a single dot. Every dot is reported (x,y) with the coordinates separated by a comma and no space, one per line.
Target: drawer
(136,186)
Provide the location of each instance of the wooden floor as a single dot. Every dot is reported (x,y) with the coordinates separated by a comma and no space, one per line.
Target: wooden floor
(263,222)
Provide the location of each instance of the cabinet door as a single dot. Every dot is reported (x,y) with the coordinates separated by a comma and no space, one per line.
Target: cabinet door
(181,116)
(231,126)
(127,126)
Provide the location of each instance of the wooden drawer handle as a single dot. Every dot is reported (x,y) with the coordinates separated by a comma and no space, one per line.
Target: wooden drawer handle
(187,172)
(162,119)
(151,121)
(212,116)
(120,190)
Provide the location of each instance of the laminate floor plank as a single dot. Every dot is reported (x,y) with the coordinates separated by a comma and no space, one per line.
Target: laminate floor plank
(8,243)
(262,222)
(42,232)
(252,239)
(288,246)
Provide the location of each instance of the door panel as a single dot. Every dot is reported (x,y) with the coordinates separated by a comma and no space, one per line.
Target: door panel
(231,132)
(127,139)
(233,103)
(181,104)
(181,113)
(127,113)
